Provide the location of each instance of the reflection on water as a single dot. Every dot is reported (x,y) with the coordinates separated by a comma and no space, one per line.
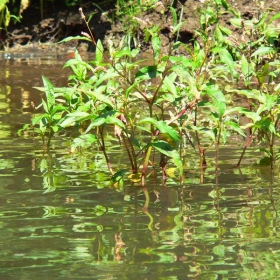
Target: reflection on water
(61,219)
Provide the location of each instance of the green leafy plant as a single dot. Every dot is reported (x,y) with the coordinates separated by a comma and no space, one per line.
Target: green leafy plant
(149,107)
(129,14)
(48,122)
(258,70)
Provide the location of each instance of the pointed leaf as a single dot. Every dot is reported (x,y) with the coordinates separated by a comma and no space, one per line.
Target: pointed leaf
(163,127)
(235,127)
(263,51)
(225,57)
(169,83)
(71,38)
(156,44)
(99,95)
(49,91)
(149,72)
(99,52)
(164,148)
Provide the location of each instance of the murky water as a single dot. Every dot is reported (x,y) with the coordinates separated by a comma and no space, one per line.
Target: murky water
(60,219)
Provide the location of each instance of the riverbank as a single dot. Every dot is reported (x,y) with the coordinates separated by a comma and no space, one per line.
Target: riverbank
(36,34)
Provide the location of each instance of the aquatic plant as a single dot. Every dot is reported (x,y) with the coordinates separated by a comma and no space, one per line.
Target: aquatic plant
(151,107)
(257,65)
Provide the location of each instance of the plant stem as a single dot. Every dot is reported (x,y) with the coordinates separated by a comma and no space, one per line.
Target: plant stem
(145,165)
(103,148)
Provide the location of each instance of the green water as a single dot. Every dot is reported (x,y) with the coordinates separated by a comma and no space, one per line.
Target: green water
(61,219)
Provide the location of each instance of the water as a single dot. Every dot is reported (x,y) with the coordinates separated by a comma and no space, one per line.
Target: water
(61,219)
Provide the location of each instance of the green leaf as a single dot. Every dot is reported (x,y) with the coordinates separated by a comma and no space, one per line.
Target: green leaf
(7,17)
(99,95)
(45,106)
(219,250)
(114,120)
(79,64)
(237,22)
(251,115)
(263,51)
(218,34)
(149,72)
(218,98)
(55,128)
(246,67)
(235,127)
(163,127)
(225,4)
(99,52)
(263,73)
(107,76)
(262,19)
(164,148)
(3,4)
(174,16)
(72,118)
(271,101)
(169,83)
(269,125)
(103,118)
(71,38)
(177,27)
(49,91)
(274,18)
(226,31)
(156,45)
(96,122)
(225,57)
(129,89)
(37,119)
(124,52)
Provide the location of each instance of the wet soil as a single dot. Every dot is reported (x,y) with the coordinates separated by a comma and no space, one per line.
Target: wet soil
(37,31)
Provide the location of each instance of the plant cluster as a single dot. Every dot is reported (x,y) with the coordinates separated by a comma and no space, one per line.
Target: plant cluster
(5,14)
(152,107)
(131,12)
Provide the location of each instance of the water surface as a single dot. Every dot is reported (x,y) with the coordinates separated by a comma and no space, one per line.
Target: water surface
(61,219)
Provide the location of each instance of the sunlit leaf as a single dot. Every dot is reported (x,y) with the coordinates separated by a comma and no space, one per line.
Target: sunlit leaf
(135,177)
(156,45)
(163,127)
(235,127)
(3,4)
(275,17)
(133,86)
(49,91)
(99,94)
(171,172)
(169,83)
(225,57)
(236,22)
(246,67)
(99,52)
(71,38)
(219,250)
(167,150)
(149,72)
(7,17)
(218,98)
(263,51)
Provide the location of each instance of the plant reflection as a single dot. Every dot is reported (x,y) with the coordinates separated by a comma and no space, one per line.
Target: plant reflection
(52,175)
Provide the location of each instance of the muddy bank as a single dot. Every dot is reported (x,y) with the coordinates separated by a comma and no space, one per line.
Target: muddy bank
(34,34)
